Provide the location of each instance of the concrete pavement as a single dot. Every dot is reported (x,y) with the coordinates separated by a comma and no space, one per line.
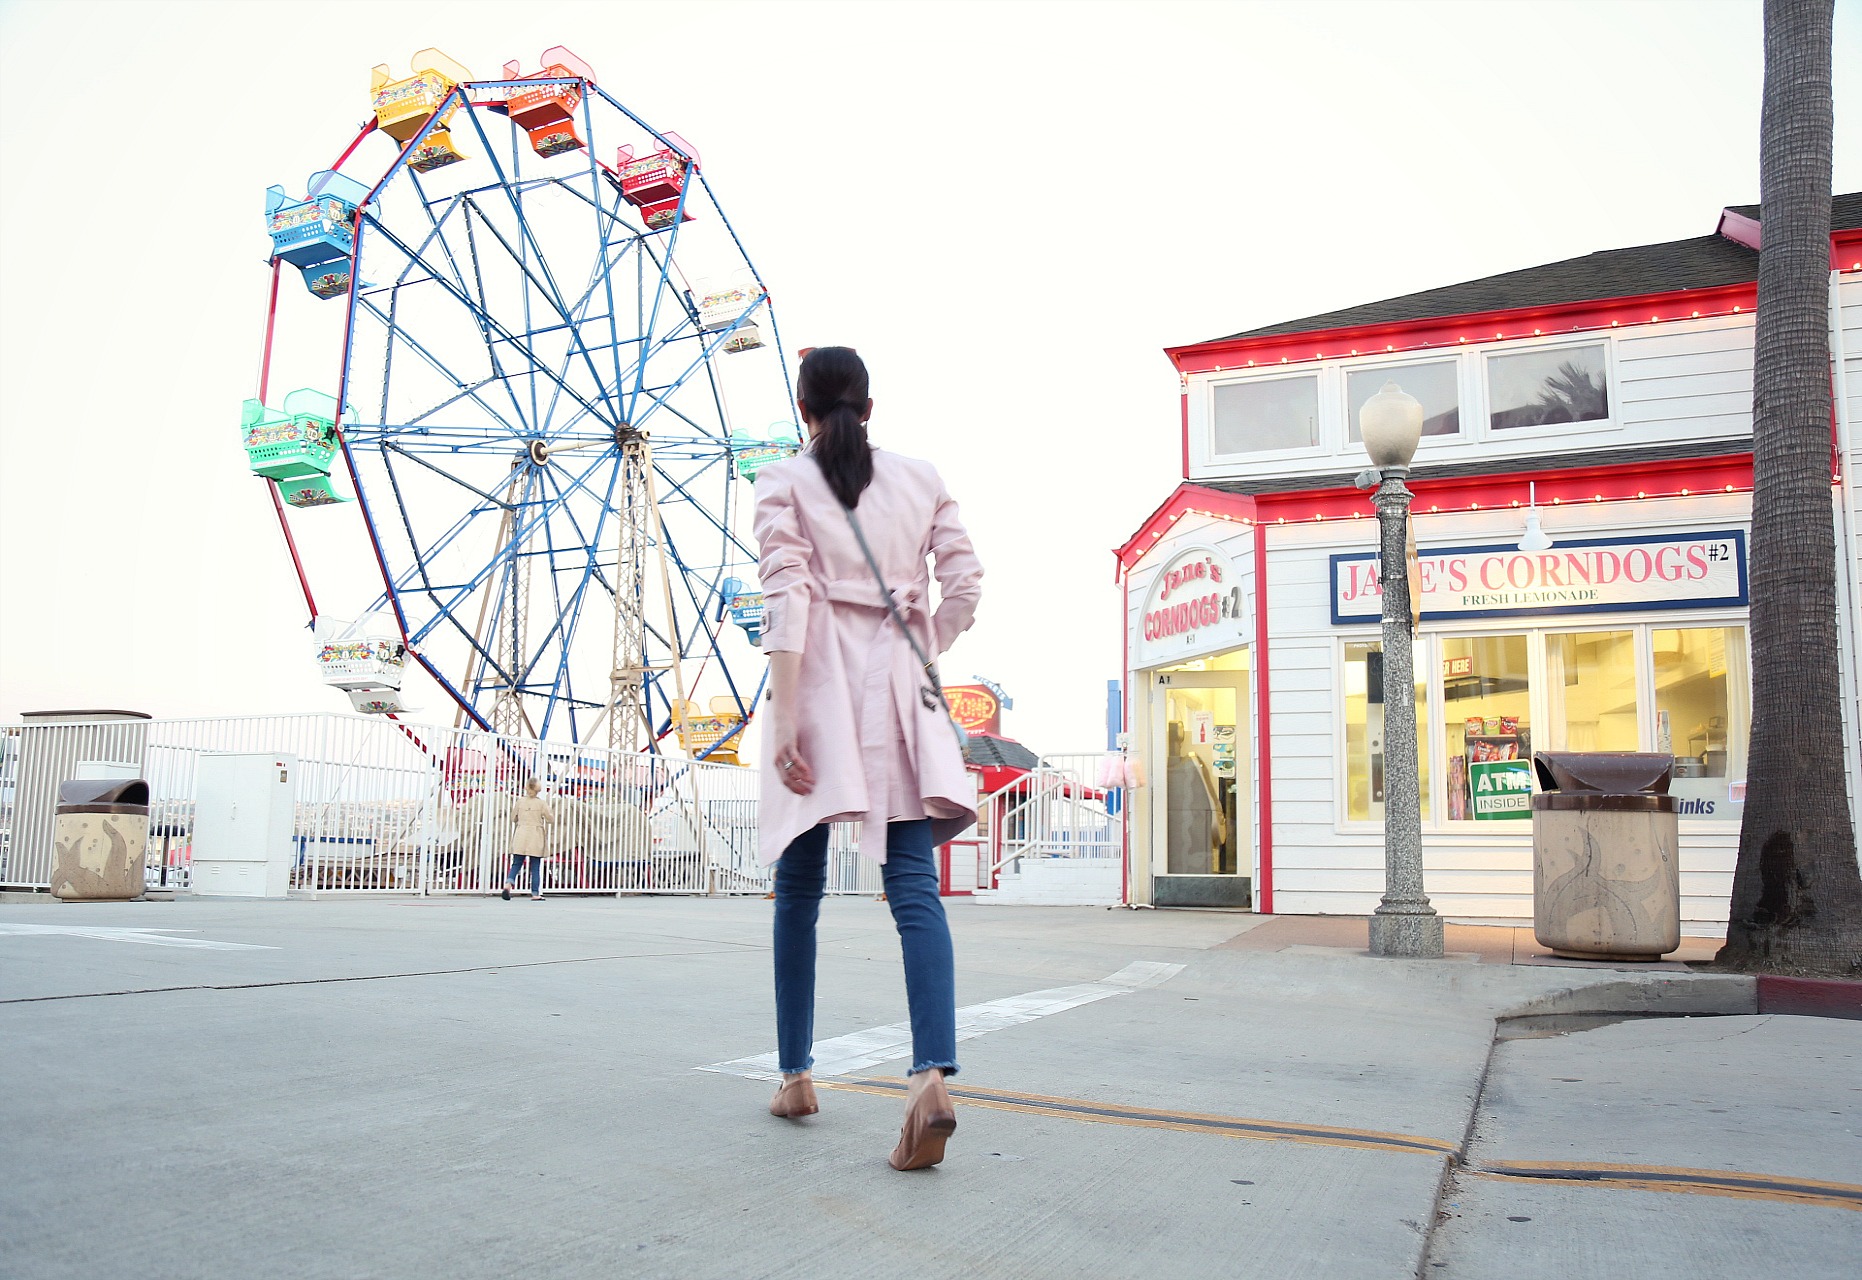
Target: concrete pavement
(468,1088)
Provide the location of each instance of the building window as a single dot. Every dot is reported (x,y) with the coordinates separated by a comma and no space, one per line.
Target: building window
(1590,692)
(1435,383)
(1364,733)
(1505,696)
(1542,388)
(1703,702)
(1486,711)
(1255,417)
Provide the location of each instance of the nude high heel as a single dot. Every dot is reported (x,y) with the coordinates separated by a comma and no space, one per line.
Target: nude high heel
(929,1121)
(794,1099)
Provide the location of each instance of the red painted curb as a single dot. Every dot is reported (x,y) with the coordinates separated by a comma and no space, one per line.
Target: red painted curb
(1810,997)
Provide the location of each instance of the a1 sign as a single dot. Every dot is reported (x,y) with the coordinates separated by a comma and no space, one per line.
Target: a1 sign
(1502,789)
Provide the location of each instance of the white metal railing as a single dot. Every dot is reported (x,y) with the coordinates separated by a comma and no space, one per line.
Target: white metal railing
(389,807)
(1061,810)
(34,758)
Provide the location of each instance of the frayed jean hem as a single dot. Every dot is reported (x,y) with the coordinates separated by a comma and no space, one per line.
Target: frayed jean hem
(796,1071)
(948,1068)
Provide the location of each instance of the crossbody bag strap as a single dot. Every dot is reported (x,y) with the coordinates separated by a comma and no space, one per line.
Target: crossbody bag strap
(935,687)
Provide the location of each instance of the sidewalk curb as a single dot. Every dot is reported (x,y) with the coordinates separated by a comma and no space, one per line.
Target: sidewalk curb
(1810,997)
(1656,994)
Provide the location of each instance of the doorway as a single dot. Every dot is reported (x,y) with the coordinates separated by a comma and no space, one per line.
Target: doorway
(1202,811)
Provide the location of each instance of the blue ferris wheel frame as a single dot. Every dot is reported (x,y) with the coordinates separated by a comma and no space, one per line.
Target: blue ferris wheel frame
(624,398)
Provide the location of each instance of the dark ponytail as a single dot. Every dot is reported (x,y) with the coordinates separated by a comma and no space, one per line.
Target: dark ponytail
(832,387)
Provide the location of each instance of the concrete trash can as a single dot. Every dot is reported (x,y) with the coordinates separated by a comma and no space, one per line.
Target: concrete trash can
(1606,877)
(100,838)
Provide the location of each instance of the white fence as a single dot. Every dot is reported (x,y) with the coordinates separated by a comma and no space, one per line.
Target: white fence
(1063,809)
(388,807)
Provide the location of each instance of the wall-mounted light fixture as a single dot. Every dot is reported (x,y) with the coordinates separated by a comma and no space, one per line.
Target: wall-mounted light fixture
(1536,539)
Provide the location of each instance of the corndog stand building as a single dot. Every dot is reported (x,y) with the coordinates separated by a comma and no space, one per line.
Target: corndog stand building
(1583,499)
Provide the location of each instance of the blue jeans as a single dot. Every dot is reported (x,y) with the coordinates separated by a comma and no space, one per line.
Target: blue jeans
(924,937)
(536,873)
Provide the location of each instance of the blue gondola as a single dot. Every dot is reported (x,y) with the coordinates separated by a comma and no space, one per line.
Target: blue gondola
(317,234)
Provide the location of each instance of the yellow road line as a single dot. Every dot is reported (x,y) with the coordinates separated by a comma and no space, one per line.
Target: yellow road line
(1180,1121)
(1637,1177)
(1700,1182)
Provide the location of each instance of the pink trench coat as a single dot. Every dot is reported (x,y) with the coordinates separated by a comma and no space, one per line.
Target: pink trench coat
(876,750)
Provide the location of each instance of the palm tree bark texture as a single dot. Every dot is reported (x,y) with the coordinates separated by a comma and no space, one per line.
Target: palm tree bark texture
(1797,893)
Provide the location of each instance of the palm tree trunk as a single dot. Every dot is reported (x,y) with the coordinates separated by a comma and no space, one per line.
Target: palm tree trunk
(1797,894)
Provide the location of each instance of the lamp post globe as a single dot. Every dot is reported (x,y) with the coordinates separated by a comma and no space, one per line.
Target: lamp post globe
(1391,424)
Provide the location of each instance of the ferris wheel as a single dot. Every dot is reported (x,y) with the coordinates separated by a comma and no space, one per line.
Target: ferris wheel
(559,370)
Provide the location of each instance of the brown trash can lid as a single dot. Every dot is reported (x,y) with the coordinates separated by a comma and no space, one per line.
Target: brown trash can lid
(104,795)
(1610,772)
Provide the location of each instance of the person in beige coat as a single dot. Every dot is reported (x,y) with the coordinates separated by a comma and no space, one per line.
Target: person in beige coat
(530,819)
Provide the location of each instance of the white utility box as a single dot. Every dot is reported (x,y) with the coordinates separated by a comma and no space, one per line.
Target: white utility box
(244,819)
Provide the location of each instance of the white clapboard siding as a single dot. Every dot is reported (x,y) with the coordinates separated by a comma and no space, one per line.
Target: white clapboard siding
(1685,380)
(1848,341)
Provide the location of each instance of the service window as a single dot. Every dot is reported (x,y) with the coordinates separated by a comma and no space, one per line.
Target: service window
(1703,716)
(1486,712)
(1542,388)
(1364,732)
(1267,414)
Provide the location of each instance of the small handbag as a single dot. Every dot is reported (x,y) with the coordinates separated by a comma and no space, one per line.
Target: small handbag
(931,693)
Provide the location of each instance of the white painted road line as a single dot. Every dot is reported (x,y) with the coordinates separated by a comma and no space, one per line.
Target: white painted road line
(844,1054)
(149,937)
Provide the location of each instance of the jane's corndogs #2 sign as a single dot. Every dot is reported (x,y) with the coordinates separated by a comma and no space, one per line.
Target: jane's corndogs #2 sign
(1590,575)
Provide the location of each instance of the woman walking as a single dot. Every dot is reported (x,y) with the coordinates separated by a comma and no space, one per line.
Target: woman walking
(857,729)
(530,816)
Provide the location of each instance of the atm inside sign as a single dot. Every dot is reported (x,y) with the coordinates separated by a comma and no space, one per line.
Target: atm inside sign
(1502,789)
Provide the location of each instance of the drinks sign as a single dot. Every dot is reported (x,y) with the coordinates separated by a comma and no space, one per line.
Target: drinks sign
(1194,606)
(1590,575)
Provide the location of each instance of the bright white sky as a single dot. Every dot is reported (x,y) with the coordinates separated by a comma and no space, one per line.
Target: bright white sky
(1009,208)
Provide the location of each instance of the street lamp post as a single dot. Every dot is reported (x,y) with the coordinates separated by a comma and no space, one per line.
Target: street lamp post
(1404,923)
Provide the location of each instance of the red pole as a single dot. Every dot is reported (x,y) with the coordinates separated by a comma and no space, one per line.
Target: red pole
(265,379)
(1264,717)
(271,323)
(367,129)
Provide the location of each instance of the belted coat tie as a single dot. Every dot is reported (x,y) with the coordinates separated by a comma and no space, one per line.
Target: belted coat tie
(880,750)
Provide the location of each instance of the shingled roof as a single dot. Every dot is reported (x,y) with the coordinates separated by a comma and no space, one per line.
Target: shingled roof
(1701,262)
(988,751)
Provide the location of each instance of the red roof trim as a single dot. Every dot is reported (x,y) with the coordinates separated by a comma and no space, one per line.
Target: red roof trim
(1450,332)
(1846,244)
(1186,498)
(1624,482)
